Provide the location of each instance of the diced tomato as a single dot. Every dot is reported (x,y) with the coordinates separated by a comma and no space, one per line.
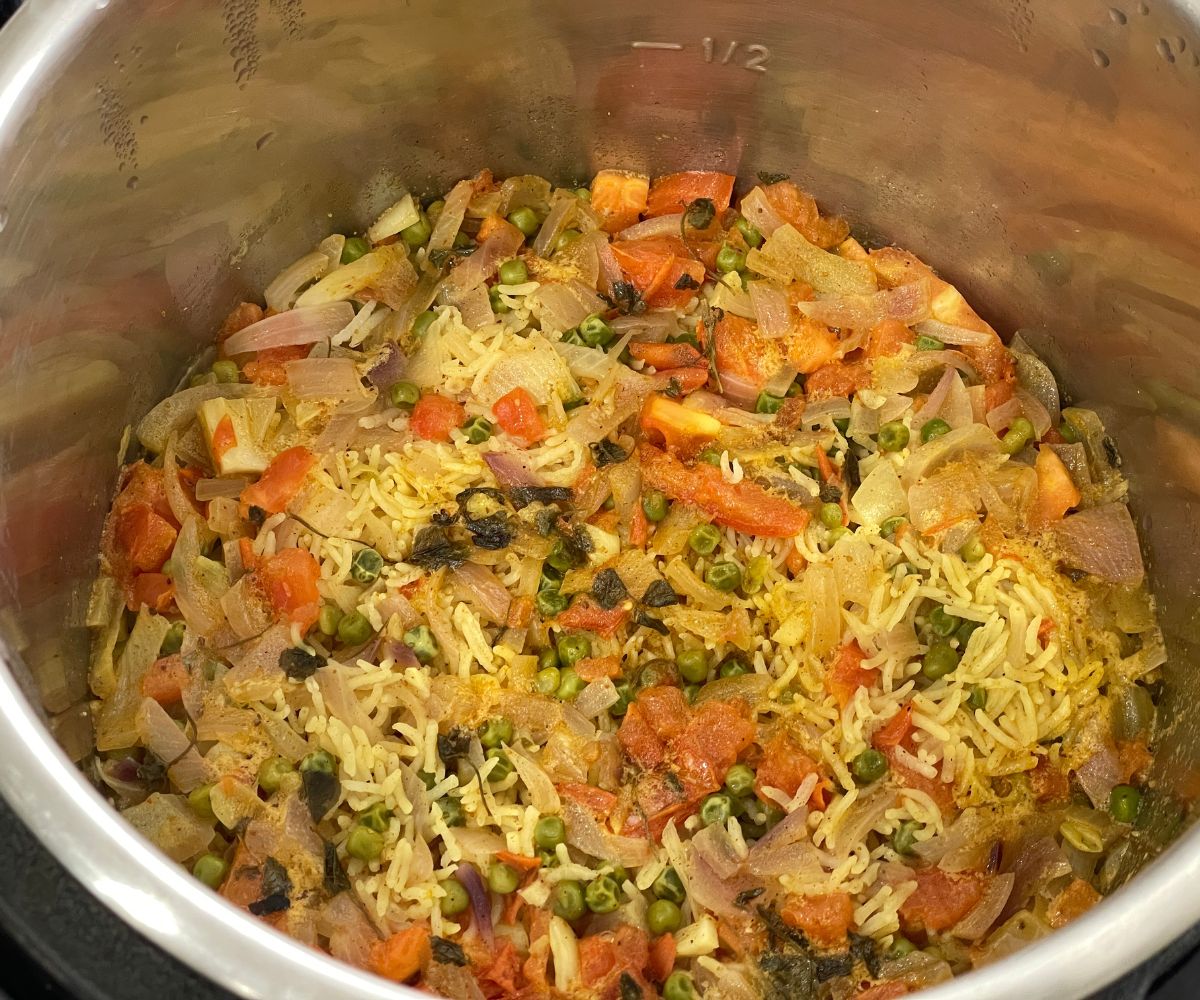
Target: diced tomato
(244,314)
(1048,782)
(673,193)
(847,674)
(434,417)
(154,590)
(1074,901)
(281,481)
(940,791)
(941,899)
(503,971)
(596,800)
(1056,491)
(810,346)
(667,356)
(838,378)
(165,680)
(493,224)
(587,616)
(289,579)
(655,266)
(680,428)
(744,506)
(247,554)
(597,958)
(517,414)
(798,208)
(656,717)
(742,353)
(825,917)
(269,366)
(592,668)
(639,740)
(784,765)
(997,394)
(520,612)
(243,884)
(639,528)
(888,339)
(681,381)
(895,731)
(604,957)
(534,969)
(710,745)
(662,957)
(224,438)
(403,955)
(619,198)
(145,537)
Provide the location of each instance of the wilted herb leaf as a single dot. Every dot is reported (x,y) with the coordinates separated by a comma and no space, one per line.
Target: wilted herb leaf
(659,595)
(299,663)
(336,880)
(609,589)
(769,178)
(607,453)
(433,549)
(700,213)
(448,952)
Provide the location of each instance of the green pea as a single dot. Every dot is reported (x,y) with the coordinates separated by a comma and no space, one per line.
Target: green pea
(595,332)
(404,395)
(942,623)
(503,879)
(891,525)
(422,322)
(366,566)
(496,300)
(869,766)
(560,557)
(569,685)
(964,633)
(477,430)
(364,843)
(973,550)
(730,259)
(226,371)
(663,917)
(421,640)
(904,837)
(548,657)
(724,576)
(693,665)
(200,800)
(573,648)
(428,778)
(749,232)
(709,456)
(1068,431)
(355,247)
(456,899)
(977,698)
(831,515)
(525,219)
(837,534)
(733,666)
(704,539)
(547,680)
(271,773)
(655,506)
(434,208)
(551,602)
(567,900)
(173,641)
(496,731)
(767,403)
(417,235)
(513,272)
(690,691)
(717,808)
(549,832)
(669,885)
(354,629)
(504,766)
(452,811)
(940,660)
(925,343)
(375,817)
(901,946)
(211,869)
(934,428)
(657,673)
(624,696)
(893,436)
(756,573)
(1123,803)
(318,760)
(329,618)
(572,337)
(740,780)
(679,987)
(602,894)
(1018,435)
(204,378)
(566,238)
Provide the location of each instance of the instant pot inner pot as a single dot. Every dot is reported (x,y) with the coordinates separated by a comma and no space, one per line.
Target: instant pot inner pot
(160,159)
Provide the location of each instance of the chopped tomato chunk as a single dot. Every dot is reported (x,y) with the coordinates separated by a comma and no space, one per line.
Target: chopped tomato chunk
(847,675)
(673,193)
(662,957)
(895,731)
(710,745)
(883,991)
(681,381)
(165,680)
(403,955)
(269,366)
(517,414)
(1056,491)
(587,616)
(680,428)
(941,899)
(744,506)
(619,198)
(838,378)
(154,590)
(941,792)
(1048,782)
(825,917)
(145,536)
(888,338)
(656,267)
(798,208)
(289,579)
(281,481)
(503,970)
(784,765)
(592,668)
(434,417)
(244,314)
(224,438)
(1074,901)
(606,957)
(667,356)
(596,800)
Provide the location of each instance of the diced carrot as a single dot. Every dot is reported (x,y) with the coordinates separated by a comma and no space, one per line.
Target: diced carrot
(639,528)
(521,862)
(517,414)
(824,917)
(810,346)
(1048,782)
(585,614)
(165,680)
(403,955)
(281,481)
(520,612)
(940,791)
(656,267)
(434,417)
(619,198)
(593,668)
(847,674)
(493,224)
(883,991)
(888,338)
(941,899)
(681,381)
(667,356)
(800,210)
(154,590)
(268,366)
(246,551)
(674,192)
(679,428)
(895,731)
(595,800)
(662,957)
(224,438)
(1073,902)
(1056,491)
(1134,757)
(145,537)
(289,579)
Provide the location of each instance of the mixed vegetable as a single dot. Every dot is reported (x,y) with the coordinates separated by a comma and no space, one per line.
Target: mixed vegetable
(610,591)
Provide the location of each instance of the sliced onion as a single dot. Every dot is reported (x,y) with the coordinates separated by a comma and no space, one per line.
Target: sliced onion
(880,495)
(933,404)
(974,439)
(598,419)
(567,304)
(1000,418)
(1035,377)
(332,247)
(482,588)
(420,299)
(585,834)
(758,211)
(200,607)
(523,191)
(451,219)
(212,489)
(394,219)
(610,270)
(388,367)
(473,305)
(511,470)
(597,697)
(281,294)
(661,225)
(333,379)
(562,209)
(1038,861)
(739,390)
(542,794)
(925,360)
(172,825)
(625,482)
(779,383)
(985,913)
(256,672)
(175,413)
(907,303)
(651,327)
(581,256)
(1103,541)
(481,905)
(585,362)
(179,502)
(500,246)
(948,334)
(306,325)
(333,680)
(1099,774)
(771,309)
(1035,411)
(823,412)
(860,819)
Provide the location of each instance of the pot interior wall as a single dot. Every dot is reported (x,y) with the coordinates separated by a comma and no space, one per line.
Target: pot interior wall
(176,153)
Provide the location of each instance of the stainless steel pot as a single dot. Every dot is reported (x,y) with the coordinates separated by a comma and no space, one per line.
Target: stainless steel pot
(158,157)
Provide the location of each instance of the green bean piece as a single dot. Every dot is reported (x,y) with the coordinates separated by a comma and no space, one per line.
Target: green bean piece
(513,272)
(940,660)
(502,879)
(891,525)
(893,436)
(602,894)
(767,403)
(226,371)
(733,666)
(624,696)
(573,648)
(504,766)
(567,900)
(404,394)
(724,576)
(869,766)
(655,505)
(496,731)
(663,917)
(421,640)
(560,557)
(934,428)
(1018,435)
(549,832)
(355,247)
(366,566)
(548,657)
(211,869)
(551,602)
(942,623)
(739,779)
(750,232)
(375,817)
(364,843)
(704,539)
(318,760)
(925,343)
(478,430)
(977,698)
(271,773)
(456,899)
(547,680)
(354,629)
(173,641)
(668,885)
(693,665)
